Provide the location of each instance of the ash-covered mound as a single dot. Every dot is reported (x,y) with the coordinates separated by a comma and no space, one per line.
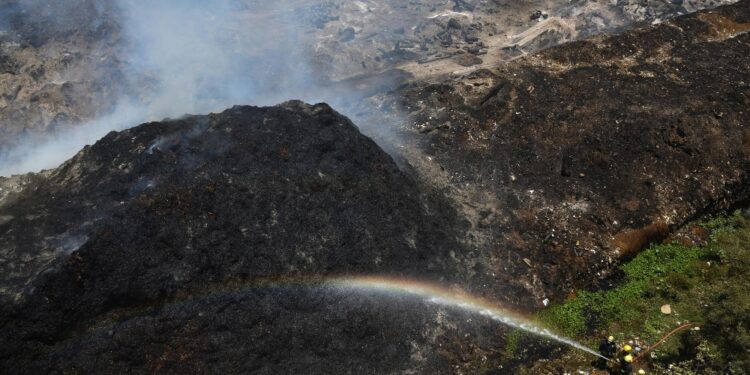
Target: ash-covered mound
(181,209)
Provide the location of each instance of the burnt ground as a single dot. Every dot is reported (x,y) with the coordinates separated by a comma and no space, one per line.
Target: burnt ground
(141,252)
(569,161)
(289,172)
(521,182)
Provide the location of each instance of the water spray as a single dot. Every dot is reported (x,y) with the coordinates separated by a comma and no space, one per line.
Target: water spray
(429,292)
(456,299)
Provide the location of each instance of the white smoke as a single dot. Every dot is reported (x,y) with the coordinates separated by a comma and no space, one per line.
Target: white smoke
(207,55)
(36,153)
(190,57)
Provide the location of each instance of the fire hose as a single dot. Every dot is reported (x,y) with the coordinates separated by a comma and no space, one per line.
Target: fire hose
(665,338)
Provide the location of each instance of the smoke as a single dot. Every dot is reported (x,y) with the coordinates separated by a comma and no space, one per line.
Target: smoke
(197,56)
(208,55)
(35,153)
(182,57)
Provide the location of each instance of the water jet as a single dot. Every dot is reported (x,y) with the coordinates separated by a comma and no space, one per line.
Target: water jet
(455,299)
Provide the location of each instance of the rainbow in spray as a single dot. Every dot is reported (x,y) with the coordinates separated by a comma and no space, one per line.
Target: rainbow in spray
(429,292)
(456,299)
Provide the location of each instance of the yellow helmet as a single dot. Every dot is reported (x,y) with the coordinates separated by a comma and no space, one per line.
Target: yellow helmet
(611,339)
(629,358)
(627,348)
(641,372)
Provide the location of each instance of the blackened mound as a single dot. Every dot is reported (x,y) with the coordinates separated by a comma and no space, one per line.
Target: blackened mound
(179,210)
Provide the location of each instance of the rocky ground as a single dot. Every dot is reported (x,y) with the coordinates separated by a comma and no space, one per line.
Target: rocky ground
(59,66)
(171,247)
(433,37)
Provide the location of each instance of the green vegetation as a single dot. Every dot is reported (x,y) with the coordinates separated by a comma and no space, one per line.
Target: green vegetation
(511,344)
(648,280)
(708,285)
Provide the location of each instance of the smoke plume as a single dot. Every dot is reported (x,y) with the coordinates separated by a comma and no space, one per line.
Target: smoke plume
(195,56)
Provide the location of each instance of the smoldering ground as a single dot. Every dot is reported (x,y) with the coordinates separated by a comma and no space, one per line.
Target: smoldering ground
(186,57)
(168,58)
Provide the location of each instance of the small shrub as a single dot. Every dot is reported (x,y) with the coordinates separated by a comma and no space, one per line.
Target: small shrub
(679,281)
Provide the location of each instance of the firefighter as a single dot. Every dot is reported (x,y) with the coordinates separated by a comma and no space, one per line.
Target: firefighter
(626,366)
(608,349)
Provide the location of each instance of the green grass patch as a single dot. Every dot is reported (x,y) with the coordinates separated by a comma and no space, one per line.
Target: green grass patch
(707,285)
(648,281)
(512,342)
